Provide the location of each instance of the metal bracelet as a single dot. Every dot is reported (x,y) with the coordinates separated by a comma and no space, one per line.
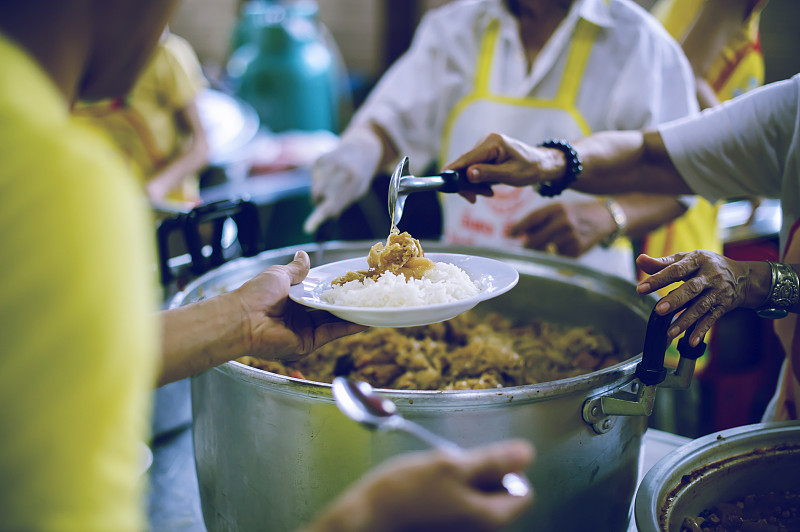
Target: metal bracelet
(620,221)
(784,291)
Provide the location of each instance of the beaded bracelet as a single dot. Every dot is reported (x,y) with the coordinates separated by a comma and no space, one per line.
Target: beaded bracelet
(571,171)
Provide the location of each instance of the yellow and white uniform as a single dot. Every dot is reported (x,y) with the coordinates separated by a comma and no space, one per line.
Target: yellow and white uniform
(77,316)
(609,65)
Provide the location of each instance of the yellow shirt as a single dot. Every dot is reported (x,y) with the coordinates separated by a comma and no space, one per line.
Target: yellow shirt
(739,67)
(77,316)
(144,123)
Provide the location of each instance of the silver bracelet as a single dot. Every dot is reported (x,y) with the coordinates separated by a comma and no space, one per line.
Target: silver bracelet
(784,291)
(620,221)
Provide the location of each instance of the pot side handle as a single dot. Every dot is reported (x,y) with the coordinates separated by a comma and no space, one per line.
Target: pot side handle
(636,397)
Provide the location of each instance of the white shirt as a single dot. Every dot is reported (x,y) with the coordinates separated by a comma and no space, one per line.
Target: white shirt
(639,74)
(748,146)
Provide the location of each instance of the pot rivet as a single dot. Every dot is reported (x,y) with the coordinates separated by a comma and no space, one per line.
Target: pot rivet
(595,411)
(607,424)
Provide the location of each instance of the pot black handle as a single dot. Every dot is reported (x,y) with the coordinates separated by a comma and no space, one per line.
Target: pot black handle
(243,213)
(165,228)
(651,371)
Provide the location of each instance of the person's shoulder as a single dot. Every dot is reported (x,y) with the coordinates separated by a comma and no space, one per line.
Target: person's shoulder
(630,16)
(642,32)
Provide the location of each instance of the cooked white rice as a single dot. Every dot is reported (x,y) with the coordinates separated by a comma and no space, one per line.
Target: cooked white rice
(443,283)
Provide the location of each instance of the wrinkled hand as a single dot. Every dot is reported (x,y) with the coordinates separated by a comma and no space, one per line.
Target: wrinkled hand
(437,491)
(502,159)
(573,228)
(712,285)
(343,175)
(279,328)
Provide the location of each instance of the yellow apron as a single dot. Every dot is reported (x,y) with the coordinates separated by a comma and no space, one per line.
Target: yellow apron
(531,120)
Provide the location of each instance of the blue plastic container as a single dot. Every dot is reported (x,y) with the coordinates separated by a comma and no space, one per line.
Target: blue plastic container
(285,70)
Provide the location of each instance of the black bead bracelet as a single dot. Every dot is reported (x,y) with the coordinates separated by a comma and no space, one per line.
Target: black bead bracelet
(571,172)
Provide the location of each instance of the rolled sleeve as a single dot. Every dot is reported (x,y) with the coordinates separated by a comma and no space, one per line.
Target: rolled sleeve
(739,147)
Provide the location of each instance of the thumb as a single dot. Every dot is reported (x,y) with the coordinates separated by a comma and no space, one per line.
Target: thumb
(298,268)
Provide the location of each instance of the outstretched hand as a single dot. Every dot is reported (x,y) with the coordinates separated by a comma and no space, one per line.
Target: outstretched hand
(434,491)
(279,328)
(256,319)
(711,286)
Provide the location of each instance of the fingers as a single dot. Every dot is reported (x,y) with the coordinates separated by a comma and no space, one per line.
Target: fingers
(488,464)
(488,150)
(328,327)
(486,467)
(664,270)
(539,229)
(703,320)
(506,172)
(324,211)
(703,310)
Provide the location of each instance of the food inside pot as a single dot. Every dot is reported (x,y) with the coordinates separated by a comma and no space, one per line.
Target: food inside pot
(767,512)
(471,351)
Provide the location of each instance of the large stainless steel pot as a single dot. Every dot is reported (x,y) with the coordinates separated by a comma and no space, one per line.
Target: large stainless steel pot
(271,451)
(719,467)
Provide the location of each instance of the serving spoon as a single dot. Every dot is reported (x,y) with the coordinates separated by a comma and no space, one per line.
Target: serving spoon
(402,184)
(358,401)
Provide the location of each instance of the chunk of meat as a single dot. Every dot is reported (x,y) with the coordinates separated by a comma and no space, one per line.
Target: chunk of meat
(401,254)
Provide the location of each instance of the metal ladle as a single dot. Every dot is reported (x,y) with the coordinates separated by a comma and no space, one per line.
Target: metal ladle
(402,184)
(358,401)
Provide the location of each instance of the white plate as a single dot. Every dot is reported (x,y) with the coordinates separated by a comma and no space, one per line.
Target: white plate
(493,277)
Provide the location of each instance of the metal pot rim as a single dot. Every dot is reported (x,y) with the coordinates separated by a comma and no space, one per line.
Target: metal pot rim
(597,382)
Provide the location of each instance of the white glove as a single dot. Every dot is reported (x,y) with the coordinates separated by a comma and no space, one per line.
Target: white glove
(341,176)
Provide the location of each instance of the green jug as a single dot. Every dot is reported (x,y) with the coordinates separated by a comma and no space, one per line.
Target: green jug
(286,71)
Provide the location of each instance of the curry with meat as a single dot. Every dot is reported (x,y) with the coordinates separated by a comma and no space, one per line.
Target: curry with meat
(471,351)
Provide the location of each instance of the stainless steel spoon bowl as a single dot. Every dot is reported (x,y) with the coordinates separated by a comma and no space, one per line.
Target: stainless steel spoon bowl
(396,200)
(358,401)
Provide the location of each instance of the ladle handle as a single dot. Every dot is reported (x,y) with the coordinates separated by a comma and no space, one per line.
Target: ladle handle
(514,483)
(456,180)
(431,438)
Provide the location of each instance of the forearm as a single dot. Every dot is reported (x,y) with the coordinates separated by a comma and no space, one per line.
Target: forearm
(618,162)
(190,161)
(706,96)
(647,212)
(201,336)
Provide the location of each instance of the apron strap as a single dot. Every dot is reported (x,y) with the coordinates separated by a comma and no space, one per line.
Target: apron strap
(582,41)
(484,67)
